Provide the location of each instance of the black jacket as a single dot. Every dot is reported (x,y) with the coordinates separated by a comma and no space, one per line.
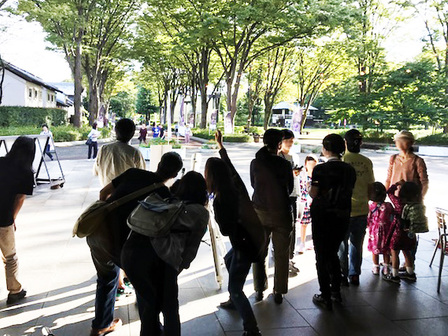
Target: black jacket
(272,179)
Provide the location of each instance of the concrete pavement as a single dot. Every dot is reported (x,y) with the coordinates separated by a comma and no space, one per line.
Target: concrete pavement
(59,276)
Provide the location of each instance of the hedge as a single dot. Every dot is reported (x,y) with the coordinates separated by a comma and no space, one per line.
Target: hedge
(60,133)
(440,139)
(11,116)
(204,134)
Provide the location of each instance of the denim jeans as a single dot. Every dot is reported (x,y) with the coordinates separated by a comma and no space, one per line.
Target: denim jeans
(238,266)
(350,251)
(9,256)
(93,146)
(155,283)
(107,279)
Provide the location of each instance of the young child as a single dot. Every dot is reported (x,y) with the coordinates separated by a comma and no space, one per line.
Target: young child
(305,199)
(410,219)
(379,221)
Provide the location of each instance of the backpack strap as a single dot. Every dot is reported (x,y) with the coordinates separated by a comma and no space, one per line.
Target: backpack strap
(135,194)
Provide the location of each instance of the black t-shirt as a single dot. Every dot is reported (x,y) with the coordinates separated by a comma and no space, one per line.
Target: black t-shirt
(14,181)
(335,180)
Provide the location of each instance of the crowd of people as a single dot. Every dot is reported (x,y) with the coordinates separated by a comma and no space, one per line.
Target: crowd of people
(336,194)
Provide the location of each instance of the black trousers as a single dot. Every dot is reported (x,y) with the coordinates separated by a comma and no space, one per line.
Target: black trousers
(293,232)
(328,234)
(155,283)
(238,266)
(93,146)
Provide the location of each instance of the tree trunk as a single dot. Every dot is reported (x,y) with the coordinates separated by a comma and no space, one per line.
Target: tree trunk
(303,121)
(2,77)
(78,83)
(268,104)
(94,101)
(204,107)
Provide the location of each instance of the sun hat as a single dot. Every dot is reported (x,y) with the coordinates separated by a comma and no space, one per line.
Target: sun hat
(404,135)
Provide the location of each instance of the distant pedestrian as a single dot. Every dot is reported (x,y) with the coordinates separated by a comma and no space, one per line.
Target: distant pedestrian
(142,133)
(154,263)
(380,219)
(187,133)
(49,147)
(115,158)
(16,174)
(162,132)
(155,130)
(92,141)
(350,252)
(107,241)
(331,189)
(272,179)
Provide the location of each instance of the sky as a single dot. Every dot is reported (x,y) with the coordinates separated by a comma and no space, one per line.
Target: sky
(23,44)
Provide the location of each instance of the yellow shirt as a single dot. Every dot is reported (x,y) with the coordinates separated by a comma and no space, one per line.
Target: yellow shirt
(114,159)
(364,177)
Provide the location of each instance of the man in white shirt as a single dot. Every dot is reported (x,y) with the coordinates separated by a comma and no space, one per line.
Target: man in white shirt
(115,158)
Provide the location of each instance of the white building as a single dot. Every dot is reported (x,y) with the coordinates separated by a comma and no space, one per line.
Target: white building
(21,88)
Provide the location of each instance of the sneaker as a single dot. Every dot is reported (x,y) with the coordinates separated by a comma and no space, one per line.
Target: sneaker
(301,248)
(259,295)
(344,282)
(319,300)
(292,267)
(389,277)
(408,276)
(229,305)
(100,332)
(402,268)
(251,333)
(376,270)
(13,298)
(278,298)
(336,296)
(354,280)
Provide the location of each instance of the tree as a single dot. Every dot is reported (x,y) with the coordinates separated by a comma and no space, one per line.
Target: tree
(122,104)
(144,104)
(243,30)
(66,23)
(279,68)
(105,46)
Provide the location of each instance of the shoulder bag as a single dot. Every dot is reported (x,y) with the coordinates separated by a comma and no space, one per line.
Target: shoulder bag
(97,212)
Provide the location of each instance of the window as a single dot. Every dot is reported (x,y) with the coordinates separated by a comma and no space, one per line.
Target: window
(30,93)
(35,93)
(48,96)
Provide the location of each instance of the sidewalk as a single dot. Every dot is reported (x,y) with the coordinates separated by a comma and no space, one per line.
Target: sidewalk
(59,276)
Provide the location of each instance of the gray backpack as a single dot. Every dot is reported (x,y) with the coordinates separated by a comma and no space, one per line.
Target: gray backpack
(155,216)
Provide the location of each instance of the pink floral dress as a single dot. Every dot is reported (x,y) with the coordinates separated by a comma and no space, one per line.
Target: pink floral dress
(380,219)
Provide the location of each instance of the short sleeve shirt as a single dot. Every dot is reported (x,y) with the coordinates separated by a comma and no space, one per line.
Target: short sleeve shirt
(14,181)
(364,177)
(335,180)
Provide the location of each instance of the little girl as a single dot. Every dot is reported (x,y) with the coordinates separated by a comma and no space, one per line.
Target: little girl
(305,199)
(379,221)
(410,219)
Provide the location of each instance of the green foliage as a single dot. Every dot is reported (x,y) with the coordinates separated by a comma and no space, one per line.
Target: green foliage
(237,137)
(123,104)
(145,104)
(31,116)
(440,139)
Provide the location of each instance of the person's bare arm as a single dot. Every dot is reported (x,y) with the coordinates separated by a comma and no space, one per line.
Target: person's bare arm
(106,192)
(314,191)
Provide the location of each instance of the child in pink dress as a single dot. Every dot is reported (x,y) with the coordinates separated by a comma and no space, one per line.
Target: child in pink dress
(379,221)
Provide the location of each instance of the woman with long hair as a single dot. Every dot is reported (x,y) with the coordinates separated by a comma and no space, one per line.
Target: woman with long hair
(228,190)
(154,263)
(16,174)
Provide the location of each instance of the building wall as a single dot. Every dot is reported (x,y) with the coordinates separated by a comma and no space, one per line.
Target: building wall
(13,90)
(19,92)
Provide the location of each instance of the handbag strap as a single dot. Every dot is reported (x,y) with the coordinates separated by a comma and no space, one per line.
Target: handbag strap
(135,194)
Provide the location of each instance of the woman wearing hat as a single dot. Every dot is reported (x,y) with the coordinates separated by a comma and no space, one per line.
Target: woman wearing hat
(407,165)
